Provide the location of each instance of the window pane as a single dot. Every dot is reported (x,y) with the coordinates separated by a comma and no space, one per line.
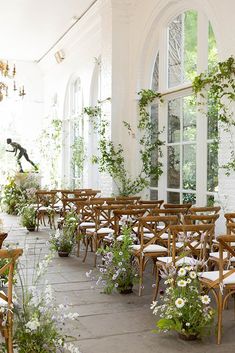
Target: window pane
(155,78)
(182,49)
(189,167)
(212,49)
(189,119)
(153,195)
(173,197)
(174,112)
(173,167)
(212,128)
(212,168)
(210,200)
(189,198)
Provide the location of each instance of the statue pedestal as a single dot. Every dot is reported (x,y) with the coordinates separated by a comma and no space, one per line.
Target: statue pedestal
(28,180)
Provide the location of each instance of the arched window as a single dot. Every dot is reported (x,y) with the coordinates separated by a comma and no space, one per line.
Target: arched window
(73,133)
(186,48)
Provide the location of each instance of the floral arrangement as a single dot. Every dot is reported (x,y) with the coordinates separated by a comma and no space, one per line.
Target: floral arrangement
(28,217)
(38,320)
(185,309)
(64,239)
(118,270)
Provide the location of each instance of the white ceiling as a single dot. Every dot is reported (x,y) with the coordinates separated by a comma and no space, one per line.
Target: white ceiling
(28,28)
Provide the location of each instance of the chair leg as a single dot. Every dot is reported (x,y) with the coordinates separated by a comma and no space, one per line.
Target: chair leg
(86,249)
(155,292)
(220,311)
(141,270)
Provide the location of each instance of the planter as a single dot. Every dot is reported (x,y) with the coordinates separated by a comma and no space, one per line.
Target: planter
(127,290)
(192,337)
(31,229)
(63,253)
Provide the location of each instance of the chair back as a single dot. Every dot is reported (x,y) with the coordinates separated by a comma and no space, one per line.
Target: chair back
(157,203)
(177,205)
(210,210)
(45,198)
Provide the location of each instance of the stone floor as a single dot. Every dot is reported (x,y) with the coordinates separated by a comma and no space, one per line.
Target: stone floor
(111,323)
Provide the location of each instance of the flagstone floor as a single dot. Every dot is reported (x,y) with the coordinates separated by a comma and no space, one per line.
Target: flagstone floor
(110,323)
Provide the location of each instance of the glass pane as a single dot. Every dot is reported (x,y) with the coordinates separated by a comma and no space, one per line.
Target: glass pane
(154,156)
(210,200)
(155,78)
(212,128)
(153,195)
(189,198)
(174,113)
(182,49)
(173,175)
(173,197)
(189,119)
(212,49)
(212,168)
(189,167)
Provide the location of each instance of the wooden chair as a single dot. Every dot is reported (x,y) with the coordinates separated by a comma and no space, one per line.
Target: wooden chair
(154,247)
(174,211)
(45,207)
(188,244)
(178,205)
(158,203)
(221,282)
(2,238)
(8,260)
(210,210)
(135,199)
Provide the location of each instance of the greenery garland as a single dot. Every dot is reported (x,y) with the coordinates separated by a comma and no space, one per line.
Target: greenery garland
(216,88)
(111,157)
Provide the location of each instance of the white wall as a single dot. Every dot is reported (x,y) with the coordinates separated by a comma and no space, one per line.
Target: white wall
(125,33)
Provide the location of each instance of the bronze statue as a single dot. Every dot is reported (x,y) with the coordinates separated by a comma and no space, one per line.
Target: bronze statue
(22,153)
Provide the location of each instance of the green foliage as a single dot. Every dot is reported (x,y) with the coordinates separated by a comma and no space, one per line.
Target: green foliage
(217,87)
(28,216)
(111,157)
(185,308)
(118,272)
(64,240)
(15,195)
(78,154)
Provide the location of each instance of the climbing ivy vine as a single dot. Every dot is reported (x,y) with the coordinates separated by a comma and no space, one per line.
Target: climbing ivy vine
(216,89)
(111,157)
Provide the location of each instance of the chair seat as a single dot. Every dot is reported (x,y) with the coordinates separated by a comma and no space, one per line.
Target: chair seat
(165,236)
(148,235)
(101,231)
(150,248)
(193,244)
(45,208)
(120,237)
(225,255)
(182,261)
(87,224)
(145,230)
(214,275)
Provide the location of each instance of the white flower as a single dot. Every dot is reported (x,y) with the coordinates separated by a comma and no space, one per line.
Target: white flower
(32,325)
(182,272)
(153,305)
(57,234)
(121,253)
(189,280)
(116,285)
(88,273)
(192,274)
(187,324)
(182,283)
(120,264)
(205,299)
(179,303)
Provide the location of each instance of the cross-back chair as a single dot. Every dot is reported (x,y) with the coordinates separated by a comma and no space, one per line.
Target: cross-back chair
(221,282)
(208,210)
(177,205)
(154,246)
(46,201)
(188,244)
(158,203)
(8,260)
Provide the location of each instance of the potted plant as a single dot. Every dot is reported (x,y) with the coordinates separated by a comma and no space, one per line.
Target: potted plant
(28,217)
(185,308)
(64,239)
(118,270)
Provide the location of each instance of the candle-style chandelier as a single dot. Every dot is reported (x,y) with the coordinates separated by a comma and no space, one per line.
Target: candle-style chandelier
(6,75)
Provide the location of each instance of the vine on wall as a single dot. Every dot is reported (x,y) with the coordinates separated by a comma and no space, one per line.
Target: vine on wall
(216,88)
(111,157)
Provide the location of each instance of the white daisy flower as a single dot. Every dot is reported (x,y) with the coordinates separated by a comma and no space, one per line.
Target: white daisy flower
(205,299)
(179,303)
(181,283)
(182,272)
(192,274)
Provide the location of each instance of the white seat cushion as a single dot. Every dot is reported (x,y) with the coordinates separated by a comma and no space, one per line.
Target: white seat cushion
(214,275)
(150,248)
(225,255)
(87,224)
(164,236)
(182,261)
(101,231)
(146,230)
(148,235)
(120,237)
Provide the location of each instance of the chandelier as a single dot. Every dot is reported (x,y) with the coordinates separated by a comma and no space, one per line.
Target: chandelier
(8,74)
